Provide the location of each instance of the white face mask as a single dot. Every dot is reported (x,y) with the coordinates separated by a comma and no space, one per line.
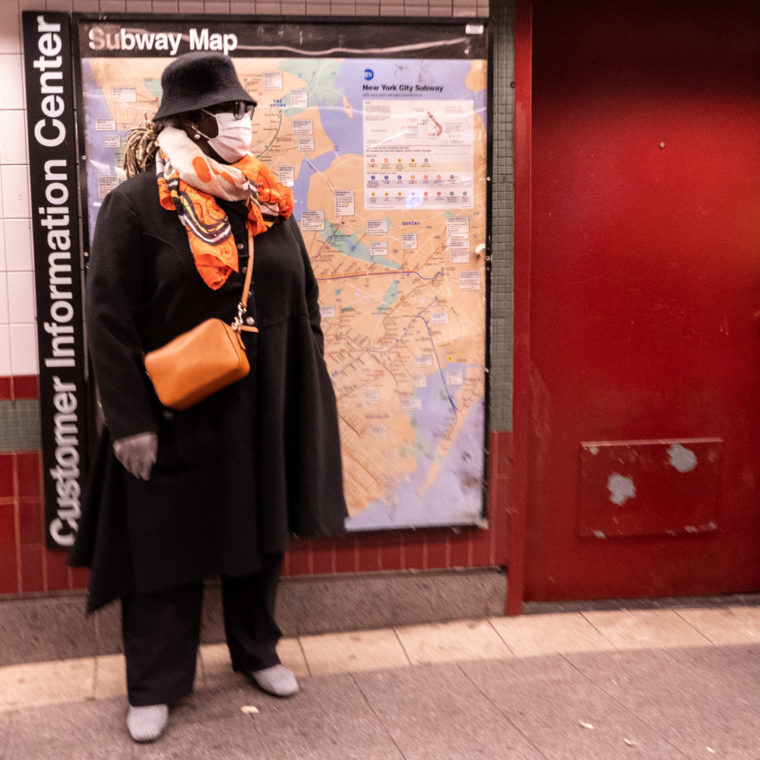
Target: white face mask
(233,139)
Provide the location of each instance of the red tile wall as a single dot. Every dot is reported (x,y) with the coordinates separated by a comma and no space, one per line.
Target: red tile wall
(27,567)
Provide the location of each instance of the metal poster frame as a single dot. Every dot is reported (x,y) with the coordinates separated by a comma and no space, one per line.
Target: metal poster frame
(403,68)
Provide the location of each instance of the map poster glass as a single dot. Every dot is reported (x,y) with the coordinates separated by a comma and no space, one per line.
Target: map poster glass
(381,131)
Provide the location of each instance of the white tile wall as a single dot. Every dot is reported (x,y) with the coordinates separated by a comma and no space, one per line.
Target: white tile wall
(12,91)
(4,299)
(19,255)
(13,148)
(21,302)
(15,181)
(5,350)
(30,5)
(24,360)
(10,28)
(18,339)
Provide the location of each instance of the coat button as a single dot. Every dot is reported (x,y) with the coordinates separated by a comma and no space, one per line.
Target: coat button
(249,320)
(241,246)
(244,270)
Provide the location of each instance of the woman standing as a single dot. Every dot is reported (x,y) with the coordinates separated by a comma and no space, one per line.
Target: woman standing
(218,488)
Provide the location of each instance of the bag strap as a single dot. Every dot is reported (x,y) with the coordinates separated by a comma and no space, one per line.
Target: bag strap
(237,323)
(249,273)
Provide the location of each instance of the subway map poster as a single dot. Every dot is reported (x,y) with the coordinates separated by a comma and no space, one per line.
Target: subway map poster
(381,132)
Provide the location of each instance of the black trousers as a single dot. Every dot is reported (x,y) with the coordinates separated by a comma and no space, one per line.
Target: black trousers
(161,633)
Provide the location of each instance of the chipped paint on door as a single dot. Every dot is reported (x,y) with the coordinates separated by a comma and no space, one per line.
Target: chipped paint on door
(621,488)
(649,488)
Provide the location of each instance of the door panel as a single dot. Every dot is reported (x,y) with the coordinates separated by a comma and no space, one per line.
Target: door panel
(645,285)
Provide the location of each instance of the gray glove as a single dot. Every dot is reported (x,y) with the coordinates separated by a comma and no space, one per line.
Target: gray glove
(137,453)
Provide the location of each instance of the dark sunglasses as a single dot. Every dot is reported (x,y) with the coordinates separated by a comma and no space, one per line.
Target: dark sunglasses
(238,108)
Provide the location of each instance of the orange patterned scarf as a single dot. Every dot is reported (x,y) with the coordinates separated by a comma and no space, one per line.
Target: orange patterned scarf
(189,182)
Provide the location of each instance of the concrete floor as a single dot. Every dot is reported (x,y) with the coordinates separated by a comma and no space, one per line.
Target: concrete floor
(667,683)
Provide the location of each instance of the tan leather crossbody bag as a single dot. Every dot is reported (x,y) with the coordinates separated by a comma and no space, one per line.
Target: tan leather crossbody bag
(202,361)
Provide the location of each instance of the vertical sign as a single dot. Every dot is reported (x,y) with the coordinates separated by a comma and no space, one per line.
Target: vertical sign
(53,171)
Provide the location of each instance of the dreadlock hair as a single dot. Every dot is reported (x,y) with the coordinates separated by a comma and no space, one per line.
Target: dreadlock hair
(142,142)
(141,147)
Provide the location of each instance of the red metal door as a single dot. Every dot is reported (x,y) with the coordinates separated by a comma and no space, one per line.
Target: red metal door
(644,455)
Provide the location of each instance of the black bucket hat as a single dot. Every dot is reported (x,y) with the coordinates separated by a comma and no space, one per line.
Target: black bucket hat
(199,80)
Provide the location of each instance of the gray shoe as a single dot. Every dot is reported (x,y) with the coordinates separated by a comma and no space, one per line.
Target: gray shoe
(146,724)
(277,680)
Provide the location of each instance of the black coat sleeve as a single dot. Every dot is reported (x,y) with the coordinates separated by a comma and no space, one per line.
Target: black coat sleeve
(112,303)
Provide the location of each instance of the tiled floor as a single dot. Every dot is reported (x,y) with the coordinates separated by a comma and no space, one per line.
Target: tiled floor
(375,650)
(668,684)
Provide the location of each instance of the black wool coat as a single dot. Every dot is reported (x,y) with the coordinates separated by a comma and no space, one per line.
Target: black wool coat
(237,473)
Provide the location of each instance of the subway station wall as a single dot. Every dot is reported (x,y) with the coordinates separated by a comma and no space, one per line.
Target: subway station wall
(25,565)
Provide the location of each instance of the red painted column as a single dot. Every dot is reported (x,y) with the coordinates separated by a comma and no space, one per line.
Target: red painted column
(522,256)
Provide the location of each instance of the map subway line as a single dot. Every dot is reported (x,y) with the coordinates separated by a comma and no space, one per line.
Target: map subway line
(394,272)
(438,362)
(372,353)
(404,297)
(273,138)
(440,273)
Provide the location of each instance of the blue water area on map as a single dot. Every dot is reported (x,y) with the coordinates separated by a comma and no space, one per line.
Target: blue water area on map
(309,167)
(344,129)
(456,496)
